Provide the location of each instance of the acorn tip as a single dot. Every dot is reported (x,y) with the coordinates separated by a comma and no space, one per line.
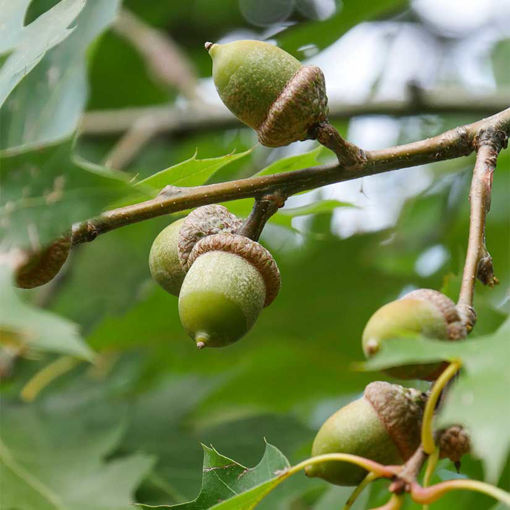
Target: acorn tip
(208,45)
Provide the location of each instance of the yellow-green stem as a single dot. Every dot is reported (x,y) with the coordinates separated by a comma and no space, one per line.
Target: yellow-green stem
(426,495)
(374,467)
(359,489)
(429,470)
(427,434)
(395,503)
(45,376)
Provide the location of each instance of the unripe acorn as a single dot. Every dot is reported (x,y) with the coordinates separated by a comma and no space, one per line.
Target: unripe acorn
(164,262)
(383,425)
(171,248)
(230,279)
(42,266)
(424,312)
(269,90)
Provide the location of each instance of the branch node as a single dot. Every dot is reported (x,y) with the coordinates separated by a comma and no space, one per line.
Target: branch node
(468,316)
(169,191)
(348,154)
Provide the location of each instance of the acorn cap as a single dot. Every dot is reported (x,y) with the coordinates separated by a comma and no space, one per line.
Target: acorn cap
(400,410)
(250,250)
(302,104)
(455,326)
(453,443)
(202,222)
(42,266)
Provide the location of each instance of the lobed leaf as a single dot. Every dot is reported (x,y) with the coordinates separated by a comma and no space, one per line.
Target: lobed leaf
(46,190)
(53,112)
(229,485)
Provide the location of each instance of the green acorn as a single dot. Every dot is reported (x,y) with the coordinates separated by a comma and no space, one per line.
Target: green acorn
(383,425)
(40,267)
(230,279)
(421,312)
(171,248)
(164,262)
(269,90)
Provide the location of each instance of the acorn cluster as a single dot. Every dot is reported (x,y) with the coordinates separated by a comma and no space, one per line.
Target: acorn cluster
(223,279)
(384,425)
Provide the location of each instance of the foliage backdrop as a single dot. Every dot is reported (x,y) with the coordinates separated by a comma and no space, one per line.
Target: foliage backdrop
(129,426)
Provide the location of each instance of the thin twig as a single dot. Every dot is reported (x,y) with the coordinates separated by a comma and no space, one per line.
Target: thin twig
(409,473)
(478,261)
(131,143)
(451,144)
(348,154)
(173,119)
(164,58)
(358,490)
(263,209)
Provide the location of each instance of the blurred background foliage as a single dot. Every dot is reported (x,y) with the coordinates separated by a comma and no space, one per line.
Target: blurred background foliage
(129,426)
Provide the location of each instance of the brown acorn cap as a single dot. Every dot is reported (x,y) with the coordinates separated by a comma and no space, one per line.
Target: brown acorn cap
(202,222)
(251,251)
(455,325)
(400,410)
(302,104)
(42,266)
(453,443)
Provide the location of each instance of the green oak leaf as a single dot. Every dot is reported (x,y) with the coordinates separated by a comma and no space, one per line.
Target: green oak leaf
(293,163)
(46,190)
(191,172)
(229,485)
(51,462)
(60,78)
(27,45)
(23,325)
(478,399)
(324,32)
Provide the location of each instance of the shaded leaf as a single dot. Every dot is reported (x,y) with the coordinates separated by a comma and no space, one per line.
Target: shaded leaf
(25,326)
(292,163)
(325,32)
(27,45)
(318,207)
(50,463)
(192,172)
(60,78)
(45,190)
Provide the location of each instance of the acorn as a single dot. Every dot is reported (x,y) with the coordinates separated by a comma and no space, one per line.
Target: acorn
(230,279)
(164,262)
(269,90)
(41,266)
(170,250)
(384,426)
(421,312)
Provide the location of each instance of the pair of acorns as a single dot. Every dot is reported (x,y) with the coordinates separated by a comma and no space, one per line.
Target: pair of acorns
(384,425)
(223,279)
